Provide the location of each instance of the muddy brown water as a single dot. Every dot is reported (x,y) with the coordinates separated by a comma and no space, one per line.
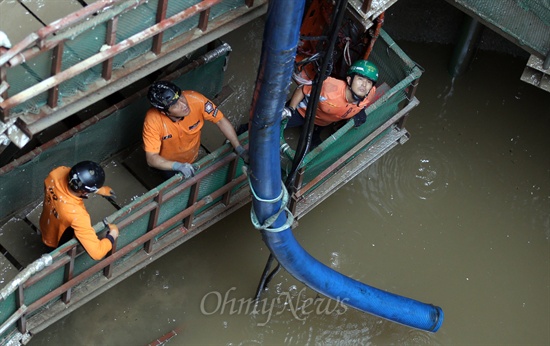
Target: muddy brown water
(459,216)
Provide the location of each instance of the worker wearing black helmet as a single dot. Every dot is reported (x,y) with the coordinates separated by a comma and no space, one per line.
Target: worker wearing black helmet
(64,214)
(339,99)
(172,128)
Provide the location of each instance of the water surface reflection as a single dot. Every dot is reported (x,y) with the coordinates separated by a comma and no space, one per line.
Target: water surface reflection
(458,216)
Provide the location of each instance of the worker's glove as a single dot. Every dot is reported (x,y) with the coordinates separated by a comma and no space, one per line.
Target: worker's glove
(359,118)
(106,191)
(112,233)
(243,154)
(184,168)
(113,230)
(287,113)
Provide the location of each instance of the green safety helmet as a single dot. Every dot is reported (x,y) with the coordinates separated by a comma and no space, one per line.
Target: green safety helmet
(364,68)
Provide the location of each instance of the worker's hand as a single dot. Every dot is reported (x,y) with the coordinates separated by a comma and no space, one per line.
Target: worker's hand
(287,113)
(113,230)
(106,191)
(184,168)
(243,154)
(359,118)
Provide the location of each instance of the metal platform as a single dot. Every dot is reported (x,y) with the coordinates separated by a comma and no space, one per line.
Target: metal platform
(525,23)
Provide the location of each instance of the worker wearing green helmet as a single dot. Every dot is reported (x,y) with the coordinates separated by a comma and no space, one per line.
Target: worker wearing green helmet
(339,99)
(365,69)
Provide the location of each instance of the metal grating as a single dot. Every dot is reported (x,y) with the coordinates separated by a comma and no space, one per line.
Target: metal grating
(526,23)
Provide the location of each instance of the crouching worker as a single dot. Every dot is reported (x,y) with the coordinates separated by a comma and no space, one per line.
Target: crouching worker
(172,128)
(64,215)
(338,100)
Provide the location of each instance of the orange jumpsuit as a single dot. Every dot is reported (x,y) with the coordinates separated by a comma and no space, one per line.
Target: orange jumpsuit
(62,209)
(333,105)
(179,141)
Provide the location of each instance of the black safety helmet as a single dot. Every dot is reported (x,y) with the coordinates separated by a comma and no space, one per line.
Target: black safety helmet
(163,94)
(86,177)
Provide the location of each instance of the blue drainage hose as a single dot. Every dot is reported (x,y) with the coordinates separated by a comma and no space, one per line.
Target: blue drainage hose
(278,53)
(334,285)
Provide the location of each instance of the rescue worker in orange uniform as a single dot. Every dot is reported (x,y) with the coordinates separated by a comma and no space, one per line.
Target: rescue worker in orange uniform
(338,100)
(64,215)
(172,128)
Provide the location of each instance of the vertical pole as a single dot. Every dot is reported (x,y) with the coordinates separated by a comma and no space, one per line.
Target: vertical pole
(465,47)
(68,275)
(203,19)
(161,15)
(22,322)
(57,59)
(110,40)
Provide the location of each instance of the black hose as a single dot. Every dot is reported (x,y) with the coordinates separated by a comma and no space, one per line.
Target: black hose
(305,137)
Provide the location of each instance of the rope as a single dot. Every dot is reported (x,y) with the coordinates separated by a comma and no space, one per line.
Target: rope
(347,56)
(270,220)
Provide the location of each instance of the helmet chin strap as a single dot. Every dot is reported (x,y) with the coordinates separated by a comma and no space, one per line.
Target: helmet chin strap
(356,97)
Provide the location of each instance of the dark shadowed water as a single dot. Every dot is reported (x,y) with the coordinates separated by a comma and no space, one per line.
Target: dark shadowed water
(459,216)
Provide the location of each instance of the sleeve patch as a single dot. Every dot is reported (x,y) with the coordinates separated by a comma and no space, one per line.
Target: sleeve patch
(215,113)
(209,107)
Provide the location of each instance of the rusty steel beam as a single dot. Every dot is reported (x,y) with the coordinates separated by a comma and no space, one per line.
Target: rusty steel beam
(74,18)
(48,43)
(144,65)
(4,86)
(87,21)
(104,55)
(57,59)
(231,173)
(153,221)
(108,270)
(193,195)
(110,40)
(374,36)
(68,275)
(161,15)
(203,20)
(18,48)
(48,270)
(47,40)
(20,298)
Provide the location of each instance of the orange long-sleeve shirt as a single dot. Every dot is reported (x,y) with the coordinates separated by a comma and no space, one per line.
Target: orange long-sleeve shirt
(333,105)
(62,209)
(179,141)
